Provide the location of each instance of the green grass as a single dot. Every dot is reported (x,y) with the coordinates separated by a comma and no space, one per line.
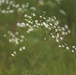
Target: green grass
(41,55)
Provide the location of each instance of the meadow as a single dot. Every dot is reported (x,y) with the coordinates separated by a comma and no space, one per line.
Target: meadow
(36,38)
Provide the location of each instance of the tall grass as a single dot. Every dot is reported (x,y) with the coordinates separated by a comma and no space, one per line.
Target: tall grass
(36,44)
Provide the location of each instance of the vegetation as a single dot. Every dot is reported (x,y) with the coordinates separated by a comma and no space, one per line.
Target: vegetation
(37,37)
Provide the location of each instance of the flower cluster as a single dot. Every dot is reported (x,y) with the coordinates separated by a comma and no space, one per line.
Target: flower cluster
(16,40)
(11,6)
(20,49)
(51,24)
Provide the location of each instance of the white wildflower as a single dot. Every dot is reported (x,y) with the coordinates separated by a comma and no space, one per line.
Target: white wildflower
(72,50)
(12,55)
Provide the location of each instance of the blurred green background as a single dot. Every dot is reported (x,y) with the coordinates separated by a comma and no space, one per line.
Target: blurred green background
(40,57)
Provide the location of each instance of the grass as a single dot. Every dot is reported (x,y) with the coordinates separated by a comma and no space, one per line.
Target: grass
(29,46)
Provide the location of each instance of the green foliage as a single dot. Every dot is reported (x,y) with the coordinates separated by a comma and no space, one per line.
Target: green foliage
(33,42)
